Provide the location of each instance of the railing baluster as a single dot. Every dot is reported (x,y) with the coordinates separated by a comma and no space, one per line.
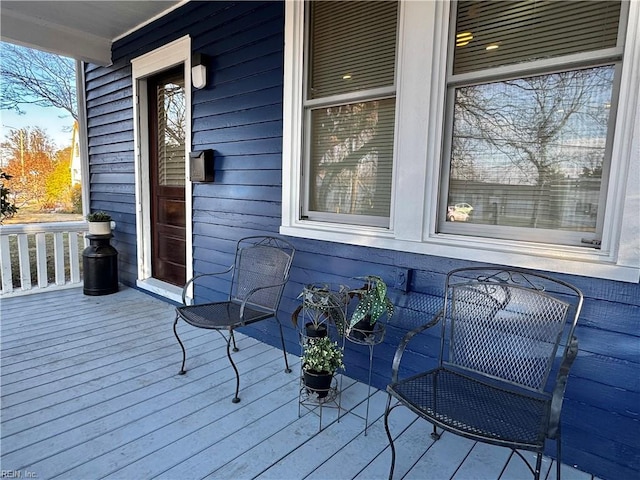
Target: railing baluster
(25,262)
(58,249)
(5,264)
(41,259)
(74,263)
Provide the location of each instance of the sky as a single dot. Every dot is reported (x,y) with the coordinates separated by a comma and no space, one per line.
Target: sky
(47,118)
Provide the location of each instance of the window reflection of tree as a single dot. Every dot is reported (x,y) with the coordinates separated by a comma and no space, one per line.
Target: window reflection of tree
(538,131)
(346,158)
(171,133)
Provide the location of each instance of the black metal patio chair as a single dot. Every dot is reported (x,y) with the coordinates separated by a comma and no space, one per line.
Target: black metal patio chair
(501,334)
(258,276)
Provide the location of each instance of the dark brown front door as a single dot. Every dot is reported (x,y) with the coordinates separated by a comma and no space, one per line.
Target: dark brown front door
(167,166)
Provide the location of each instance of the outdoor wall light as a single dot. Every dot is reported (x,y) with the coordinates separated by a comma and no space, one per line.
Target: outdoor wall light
(198,71)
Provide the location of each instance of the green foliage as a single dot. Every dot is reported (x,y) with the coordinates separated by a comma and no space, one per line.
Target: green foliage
(373,301)
(76,199)
(99,217)
(58,185)
(7,208)
(321,303)
(322,355)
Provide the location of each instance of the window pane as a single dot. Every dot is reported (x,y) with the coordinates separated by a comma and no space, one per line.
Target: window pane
(351,158)
(352,46)
(530,152)
(490,34)
(171,133)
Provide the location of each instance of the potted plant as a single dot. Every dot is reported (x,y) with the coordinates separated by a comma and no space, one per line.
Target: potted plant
(373,303)
(99,223)
(321,358)
(321,303)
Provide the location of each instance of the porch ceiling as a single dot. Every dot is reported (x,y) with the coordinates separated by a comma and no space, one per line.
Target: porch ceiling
(82,30)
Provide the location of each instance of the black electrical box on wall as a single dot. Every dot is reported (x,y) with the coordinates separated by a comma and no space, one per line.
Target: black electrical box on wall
(201,166)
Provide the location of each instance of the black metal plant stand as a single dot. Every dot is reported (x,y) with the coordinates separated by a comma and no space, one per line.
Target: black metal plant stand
(370,338)
(325,304)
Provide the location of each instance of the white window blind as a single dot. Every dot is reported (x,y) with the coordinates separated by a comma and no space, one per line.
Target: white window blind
(353,46)
(350,111)
(491,34)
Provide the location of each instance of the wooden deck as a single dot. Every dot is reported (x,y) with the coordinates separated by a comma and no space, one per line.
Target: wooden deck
(90,390)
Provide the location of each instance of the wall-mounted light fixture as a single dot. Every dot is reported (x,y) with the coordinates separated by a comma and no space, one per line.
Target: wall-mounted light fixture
(198,70)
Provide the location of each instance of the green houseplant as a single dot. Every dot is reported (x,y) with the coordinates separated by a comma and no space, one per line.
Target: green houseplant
(321,358)
(99,223)
(322,303)
(373,303)
(7,208)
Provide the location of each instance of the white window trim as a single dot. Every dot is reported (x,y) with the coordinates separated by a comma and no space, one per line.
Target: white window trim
(163,58)
(421,90)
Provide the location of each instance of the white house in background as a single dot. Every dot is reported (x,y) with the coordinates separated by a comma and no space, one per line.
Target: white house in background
(76,171)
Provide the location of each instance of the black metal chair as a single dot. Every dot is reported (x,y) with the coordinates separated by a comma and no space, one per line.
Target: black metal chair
(501,331)
(258,276)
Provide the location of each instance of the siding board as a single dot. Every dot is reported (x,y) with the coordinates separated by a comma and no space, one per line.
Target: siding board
(256,98)
(250,116)
(268,79)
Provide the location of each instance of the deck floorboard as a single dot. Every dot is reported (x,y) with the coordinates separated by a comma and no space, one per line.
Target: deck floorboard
(90,390)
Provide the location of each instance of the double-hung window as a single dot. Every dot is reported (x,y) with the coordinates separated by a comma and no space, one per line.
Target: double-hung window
(494,131)
(349,112)
(532,95)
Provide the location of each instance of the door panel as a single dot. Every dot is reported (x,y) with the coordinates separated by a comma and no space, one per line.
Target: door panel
(167,125)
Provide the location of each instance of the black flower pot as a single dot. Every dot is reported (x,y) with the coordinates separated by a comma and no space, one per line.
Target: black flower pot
(317,382)
(362,329)
(315,332)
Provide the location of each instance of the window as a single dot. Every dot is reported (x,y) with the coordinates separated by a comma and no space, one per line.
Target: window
(349,111)
(530,139)
(523,155)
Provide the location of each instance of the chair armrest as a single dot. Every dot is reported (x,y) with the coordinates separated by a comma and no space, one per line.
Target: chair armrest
(561,385)
(195,277)
(253,292)
(405,341)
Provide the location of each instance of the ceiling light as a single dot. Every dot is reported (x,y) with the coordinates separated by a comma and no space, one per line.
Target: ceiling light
(493,46)
(463,38)
(346,76)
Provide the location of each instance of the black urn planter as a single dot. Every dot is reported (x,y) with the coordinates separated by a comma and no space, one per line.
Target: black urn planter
(317,382)
(100,266)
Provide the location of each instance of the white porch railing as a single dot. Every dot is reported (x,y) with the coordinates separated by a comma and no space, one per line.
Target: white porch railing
(28,252)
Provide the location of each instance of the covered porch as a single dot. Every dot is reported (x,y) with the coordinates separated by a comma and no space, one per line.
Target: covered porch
(90,390)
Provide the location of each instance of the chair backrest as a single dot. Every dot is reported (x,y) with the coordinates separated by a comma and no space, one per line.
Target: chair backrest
(507,323)
(261,262)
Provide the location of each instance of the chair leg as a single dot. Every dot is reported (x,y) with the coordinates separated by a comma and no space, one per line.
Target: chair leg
(235,347)
(386,428)
(536,473)
(435,435)
(558,452)
(184,352)
(235,399)
(284,349)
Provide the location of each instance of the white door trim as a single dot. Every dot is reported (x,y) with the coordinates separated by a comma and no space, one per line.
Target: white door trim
(163,58)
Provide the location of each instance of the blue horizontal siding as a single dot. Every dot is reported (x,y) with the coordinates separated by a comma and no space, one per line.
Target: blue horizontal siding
(239,115)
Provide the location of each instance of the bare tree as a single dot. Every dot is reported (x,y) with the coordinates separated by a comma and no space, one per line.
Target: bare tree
(33,77)
(527,120)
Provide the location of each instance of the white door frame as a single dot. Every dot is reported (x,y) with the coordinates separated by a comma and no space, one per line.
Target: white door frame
(163,58)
